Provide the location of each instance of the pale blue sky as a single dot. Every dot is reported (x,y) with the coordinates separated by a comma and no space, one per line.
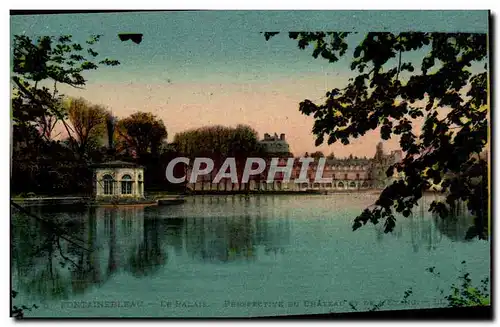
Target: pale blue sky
(187,46)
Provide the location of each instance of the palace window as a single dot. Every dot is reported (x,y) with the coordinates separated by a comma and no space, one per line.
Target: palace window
(126,184)
(108,184)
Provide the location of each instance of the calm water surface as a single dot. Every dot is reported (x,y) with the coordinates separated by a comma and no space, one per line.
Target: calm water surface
(236,256)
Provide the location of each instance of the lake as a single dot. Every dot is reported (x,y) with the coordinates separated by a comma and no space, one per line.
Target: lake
(236,256)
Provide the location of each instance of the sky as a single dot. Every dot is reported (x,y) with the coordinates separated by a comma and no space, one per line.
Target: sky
(198,68)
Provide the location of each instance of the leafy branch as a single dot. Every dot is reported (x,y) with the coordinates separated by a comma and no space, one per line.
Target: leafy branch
(389,95)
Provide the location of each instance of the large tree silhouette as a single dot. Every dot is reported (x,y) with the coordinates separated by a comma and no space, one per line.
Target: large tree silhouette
(87,121)
(39,67)
(438,78)
(143,132)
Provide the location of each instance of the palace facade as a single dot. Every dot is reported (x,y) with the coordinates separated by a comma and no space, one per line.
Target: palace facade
(338,174)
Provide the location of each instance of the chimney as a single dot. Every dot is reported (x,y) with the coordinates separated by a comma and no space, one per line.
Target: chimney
(282,136)
(110,128)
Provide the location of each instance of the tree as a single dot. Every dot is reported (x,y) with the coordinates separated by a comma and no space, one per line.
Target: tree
(317,155)
(48,61)
(441,77)
(39,66)
(87,121)
(244,143)
(220,142)
(142,132)
(244,140)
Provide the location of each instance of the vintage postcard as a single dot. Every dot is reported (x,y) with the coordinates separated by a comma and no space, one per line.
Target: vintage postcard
(237,164)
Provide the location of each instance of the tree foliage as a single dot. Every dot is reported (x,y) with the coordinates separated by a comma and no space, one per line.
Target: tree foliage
(317,155)
(142,132)
(331,156)
(87,121)
(39,67)
(438,78)
(218,142)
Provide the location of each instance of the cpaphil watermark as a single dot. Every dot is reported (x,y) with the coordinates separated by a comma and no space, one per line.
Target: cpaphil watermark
(253,166)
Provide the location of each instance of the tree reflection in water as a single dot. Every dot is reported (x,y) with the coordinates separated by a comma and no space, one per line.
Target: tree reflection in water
(136,240)
(90,273)
(454,227)
(45,256)
(51,268)
(252,224)
(149,256)
(220,239)
(427,230)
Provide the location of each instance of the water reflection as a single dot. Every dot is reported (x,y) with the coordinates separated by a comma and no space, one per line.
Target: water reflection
(424,234)
(291,245)
(137,241)
(454,228)
(427,230)
(227,239)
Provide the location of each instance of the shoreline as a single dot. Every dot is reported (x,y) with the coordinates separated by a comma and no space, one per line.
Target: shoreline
(276,192)
(177,198)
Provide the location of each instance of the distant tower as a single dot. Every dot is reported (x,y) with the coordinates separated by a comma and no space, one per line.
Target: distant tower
(379,153)
(275,144)
(397,155)
(379,167)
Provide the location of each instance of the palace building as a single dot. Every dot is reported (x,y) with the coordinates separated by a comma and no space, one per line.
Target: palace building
(275,144)
(338,174)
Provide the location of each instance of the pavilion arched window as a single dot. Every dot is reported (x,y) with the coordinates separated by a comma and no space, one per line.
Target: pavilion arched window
(126,184)
(108,184)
